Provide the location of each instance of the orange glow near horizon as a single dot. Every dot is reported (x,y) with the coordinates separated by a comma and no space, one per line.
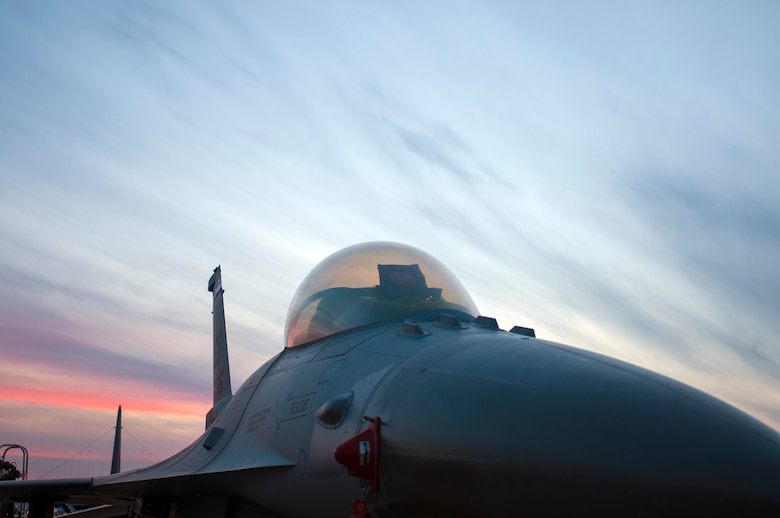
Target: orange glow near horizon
(59,400)
(105,401)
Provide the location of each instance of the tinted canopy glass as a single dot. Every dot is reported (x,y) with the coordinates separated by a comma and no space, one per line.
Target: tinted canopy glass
(371,283)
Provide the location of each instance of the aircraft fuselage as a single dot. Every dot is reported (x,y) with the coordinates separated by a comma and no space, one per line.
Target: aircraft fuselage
(477,421)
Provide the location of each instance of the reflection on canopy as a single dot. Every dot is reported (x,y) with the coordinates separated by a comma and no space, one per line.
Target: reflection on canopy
(371,283)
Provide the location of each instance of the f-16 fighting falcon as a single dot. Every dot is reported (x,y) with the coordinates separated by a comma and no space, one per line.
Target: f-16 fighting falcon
(392,396)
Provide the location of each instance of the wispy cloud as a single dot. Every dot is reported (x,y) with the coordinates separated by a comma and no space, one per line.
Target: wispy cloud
(602,173)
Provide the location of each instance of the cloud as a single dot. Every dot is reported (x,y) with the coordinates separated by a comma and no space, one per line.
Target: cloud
(611,184)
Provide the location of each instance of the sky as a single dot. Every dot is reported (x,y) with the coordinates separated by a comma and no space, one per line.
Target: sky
(604,172)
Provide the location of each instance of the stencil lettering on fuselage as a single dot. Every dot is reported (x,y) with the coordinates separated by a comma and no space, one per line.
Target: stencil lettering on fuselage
(257,419)
(297,407)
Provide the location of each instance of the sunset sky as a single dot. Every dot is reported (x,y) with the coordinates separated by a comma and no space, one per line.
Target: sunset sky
(607,173)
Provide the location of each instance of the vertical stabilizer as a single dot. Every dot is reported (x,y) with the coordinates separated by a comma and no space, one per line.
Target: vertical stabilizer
(222,390)
(116,457)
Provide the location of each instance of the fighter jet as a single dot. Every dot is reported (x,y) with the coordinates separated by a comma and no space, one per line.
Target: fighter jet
(392,396)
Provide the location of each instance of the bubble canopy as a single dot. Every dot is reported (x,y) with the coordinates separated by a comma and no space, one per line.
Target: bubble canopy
(371,283)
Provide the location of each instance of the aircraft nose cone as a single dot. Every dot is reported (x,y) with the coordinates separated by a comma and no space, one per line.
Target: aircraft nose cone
(490,424)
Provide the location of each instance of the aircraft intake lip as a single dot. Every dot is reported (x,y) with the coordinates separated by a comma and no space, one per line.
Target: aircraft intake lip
(550,425)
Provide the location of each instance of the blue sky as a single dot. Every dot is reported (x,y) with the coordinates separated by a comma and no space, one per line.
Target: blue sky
(607,173)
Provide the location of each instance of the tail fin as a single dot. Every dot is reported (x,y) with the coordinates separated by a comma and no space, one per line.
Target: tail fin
(117,455)
(222,390)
